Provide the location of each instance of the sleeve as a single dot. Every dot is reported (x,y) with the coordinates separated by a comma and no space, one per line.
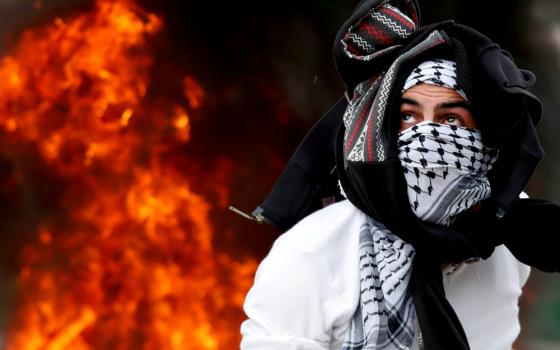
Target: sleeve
(286,306)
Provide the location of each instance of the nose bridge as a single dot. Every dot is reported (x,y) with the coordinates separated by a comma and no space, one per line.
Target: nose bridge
(429,112)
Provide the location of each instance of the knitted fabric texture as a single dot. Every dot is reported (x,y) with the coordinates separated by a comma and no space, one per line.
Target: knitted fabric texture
(438,72)
(445,168)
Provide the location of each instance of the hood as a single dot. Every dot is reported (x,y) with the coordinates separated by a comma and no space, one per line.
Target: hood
(506,110)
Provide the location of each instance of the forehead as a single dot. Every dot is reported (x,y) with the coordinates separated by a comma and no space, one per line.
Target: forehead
(431,93)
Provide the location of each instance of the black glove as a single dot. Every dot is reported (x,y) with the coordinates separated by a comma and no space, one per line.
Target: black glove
(529,229)
(481,229)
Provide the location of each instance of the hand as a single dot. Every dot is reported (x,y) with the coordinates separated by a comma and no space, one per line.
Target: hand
(531,231)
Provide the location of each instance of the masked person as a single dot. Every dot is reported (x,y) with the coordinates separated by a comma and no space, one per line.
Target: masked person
(431,153)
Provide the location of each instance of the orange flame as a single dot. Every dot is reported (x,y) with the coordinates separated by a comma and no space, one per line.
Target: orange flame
(131,264)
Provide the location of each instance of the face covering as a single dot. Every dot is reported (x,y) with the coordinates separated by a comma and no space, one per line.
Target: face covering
(445,168)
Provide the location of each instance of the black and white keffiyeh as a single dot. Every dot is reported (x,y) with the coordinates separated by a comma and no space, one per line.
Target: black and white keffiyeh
(438,72)
(385,318)
(373,61)
(445,168)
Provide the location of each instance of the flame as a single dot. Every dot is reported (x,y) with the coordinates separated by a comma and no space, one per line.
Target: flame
(127,261)
(193,92)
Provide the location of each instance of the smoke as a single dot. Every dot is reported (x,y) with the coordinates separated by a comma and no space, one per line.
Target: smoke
(18,15)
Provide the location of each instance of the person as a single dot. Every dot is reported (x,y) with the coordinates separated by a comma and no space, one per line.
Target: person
(428,243)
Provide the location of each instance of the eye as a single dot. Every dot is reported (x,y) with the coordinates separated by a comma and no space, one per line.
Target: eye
(407,118)
(452,119)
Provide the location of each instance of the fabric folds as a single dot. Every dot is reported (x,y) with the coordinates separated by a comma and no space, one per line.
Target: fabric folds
(445,168)
(357,142)
(385,318)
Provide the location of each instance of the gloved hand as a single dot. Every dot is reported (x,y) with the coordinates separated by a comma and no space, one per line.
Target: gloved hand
(474,234)
(529,229)
(481,229)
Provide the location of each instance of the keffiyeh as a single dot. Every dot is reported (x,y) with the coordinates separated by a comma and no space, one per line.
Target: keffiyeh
(373,55)
(385,318)
(438,72)
(445,168)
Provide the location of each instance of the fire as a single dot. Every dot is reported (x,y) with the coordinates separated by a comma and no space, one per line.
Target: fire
(126,260)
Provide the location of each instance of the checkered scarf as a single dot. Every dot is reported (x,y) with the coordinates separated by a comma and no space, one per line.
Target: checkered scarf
(438,72)
(445,168)
(385,317)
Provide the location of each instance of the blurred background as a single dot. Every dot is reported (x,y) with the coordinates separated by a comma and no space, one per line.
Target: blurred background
(128,127)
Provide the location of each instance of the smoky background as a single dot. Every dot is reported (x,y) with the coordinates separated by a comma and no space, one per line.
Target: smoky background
(268,71)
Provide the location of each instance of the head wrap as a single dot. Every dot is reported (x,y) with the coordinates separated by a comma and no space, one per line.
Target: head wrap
(445,166)
(374,51)
(438,72)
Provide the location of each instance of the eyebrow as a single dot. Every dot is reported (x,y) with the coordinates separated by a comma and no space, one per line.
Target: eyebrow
(456,104)
(447,105)
(409,101)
